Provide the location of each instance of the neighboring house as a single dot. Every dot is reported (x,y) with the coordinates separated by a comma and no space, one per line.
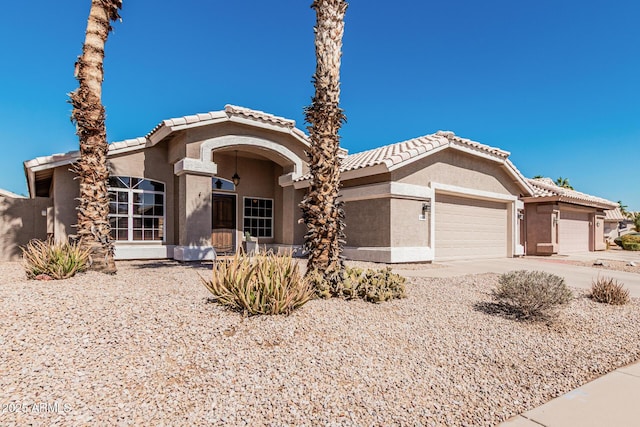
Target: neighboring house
(560,220)
(616,224)
(173,192)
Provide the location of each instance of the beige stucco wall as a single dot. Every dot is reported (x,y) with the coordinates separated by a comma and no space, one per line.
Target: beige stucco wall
(406,227)
(541,228)
(299,228)
(366,180)
(65,191)
(599,243)
(188,143)
(453,167)
(20,221)
(368,223)
(194,205)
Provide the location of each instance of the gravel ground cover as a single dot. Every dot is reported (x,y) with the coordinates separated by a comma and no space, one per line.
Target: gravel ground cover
(145,347)
(613,265)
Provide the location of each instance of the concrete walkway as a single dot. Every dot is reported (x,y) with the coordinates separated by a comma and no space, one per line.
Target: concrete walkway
(611,400)
(575,275)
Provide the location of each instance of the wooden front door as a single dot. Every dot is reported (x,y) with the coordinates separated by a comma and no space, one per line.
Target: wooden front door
(223,223)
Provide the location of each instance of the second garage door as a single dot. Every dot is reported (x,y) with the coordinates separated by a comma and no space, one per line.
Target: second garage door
(573,232)
(470,228)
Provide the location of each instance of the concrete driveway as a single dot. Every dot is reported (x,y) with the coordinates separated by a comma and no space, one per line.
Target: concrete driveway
(574,275)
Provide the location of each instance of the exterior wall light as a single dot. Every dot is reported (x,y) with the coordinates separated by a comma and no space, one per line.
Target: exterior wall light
(426,207)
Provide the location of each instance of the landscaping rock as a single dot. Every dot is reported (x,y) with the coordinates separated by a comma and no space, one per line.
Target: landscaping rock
(145,347)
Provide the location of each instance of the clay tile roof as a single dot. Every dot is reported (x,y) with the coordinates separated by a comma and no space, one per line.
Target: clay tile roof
(229,112)
(395,154)
(614,215)
(473,144)
(399,152)
(545,187)
(233,110)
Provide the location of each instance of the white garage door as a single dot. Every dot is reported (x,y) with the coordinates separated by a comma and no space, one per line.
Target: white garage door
(573,232)
(469,228)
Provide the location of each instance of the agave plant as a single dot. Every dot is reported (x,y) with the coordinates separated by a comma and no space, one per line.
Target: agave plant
(48,259)
(260,284)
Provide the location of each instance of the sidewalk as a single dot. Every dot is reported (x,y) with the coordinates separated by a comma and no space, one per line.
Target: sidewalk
(612,400)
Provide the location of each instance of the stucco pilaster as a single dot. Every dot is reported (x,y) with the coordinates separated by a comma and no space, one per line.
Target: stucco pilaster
(194,219)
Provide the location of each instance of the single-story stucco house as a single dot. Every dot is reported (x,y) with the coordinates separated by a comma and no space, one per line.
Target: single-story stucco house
(560,220)
(616,223)
(195,185)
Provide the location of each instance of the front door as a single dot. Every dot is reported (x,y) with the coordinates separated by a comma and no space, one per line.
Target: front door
(223,223)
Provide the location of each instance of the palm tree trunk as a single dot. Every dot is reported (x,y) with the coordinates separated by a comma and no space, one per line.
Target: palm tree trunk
(88,114)
(322,212)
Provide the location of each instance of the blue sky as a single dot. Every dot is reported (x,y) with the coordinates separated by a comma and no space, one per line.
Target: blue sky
(556,83)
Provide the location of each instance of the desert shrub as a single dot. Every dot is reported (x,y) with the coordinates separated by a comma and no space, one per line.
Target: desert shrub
(326,288)
(369,285)
(609,291)
(53,260)
(381,285)
(260,284)
(630,242)
(531,294)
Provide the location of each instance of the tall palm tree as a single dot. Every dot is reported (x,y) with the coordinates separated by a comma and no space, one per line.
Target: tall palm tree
(564,183)
(88,114)
(623,209)
(321,210)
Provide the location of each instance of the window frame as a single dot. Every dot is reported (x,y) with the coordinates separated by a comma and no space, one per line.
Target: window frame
(271,218)
(131,215)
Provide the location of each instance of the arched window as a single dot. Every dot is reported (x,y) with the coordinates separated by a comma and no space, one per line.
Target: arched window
(222,184)
(136,209)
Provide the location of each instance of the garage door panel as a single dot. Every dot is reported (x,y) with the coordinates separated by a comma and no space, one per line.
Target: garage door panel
(469,228)
(573,232)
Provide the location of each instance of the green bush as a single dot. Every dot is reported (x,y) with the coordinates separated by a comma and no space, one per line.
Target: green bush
(609,291)
(260,284)
(630,242)
(51,260)
(531,294)
(370,285)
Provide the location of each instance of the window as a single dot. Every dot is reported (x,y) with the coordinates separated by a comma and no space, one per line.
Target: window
(136,209)
(258,217)
(222,184)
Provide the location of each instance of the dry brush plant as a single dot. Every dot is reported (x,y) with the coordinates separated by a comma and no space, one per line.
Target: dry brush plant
(531,294)
(609,291)
(53,260)
(260,284)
